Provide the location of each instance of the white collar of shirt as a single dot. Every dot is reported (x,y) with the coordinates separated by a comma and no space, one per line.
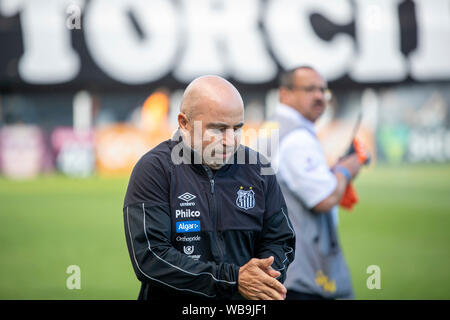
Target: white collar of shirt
(289,112)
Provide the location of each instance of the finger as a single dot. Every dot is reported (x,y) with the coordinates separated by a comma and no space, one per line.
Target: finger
(263,296)
(261,292)
(265,263)
(275,284)
(272,272)
(272,294)
(268,285)
(272,287)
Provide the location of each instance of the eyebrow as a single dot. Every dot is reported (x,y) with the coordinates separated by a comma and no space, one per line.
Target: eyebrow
(223,125)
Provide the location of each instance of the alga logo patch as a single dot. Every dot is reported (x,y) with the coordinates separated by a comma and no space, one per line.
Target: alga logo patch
(188,226)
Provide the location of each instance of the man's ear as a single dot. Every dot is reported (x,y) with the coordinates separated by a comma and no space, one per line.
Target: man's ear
(183,121)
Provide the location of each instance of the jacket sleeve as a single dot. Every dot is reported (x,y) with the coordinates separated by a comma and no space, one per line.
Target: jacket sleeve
(148,232)
(277,238)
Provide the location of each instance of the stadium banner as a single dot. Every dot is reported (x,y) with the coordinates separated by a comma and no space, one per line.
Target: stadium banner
(107,44)
(74,151)
(414,124)
(23,152)
(118,147)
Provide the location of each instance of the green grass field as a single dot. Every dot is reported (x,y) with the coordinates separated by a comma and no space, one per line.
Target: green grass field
(401,224)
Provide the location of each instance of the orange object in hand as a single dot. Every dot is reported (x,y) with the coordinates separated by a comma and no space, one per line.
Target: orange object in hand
(361,151)
(350,198)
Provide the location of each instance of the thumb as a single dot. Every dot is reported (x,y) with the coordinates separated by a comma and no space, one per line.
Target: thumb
(265,263)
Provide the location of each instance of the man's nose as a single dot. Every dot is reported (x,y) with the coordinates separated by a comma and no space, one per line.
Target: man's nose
(319,94)
(228,137)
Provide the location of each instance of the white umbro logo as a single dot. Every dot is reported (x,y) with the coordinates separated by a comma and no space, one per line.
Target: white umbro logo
(187,197)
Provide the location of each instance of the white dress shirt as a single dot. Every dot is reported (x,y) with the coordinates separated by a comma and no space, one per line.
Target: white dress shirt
(301,162)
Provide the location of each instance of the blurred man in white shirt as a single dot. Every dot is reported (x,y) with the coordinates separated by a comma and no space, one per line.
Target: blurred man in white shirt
(311,188)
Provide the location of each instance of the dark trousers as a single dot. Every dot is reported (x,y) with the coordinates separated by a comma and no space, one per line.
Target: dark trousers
(295,295)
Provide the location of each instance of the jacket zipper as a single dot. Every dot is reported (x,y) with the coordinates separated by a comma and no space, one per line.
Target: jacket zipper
(214,211)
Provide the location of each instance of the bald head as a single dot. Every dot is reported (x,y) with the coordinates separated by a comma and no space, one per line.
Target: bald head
(214,105)
(208,92)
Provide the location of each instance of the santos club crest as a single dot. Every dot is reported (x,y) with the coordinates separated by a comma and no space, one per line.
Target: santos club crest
(245,198)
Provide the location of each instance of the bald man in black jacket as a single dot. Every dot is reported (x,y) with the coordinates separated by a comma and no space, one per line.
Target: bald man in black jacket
(201,219)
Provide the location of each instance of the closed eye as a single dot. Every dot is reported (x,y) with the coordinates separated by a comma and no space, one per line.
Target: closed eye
(223,127)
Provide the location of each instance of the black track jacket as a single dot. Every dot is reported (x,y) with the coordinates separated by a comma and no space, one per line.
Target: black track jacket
(189,229)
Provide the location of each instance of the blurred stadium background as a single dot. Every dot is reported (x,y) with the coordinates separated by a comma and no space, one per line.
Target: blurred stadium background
(87,87)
